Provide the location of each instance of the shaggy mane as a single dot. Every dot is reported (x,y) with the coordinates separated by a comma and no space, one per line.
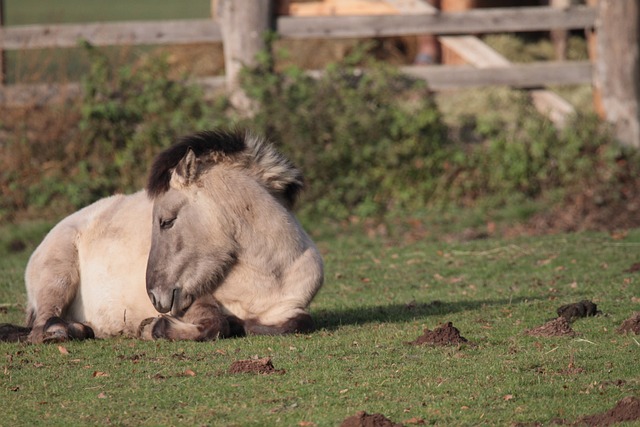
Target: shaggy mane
(202,143)
(255,154)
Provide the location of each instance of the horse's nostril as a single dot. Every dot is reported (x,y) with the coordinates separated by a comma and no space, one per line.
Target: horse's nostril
(152,297)
(161,301)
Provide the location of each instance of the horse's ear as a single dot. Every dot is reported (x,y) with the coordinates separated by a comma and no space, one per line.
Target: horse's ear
(186,170)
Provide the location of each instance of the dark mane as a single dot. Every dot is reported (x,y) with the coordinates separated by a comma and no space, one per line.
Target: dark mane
(202,143)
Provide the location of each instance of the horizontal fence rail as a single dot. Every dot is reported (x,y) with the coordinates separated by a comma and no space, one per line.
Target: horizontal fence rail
(608,22)
(523,76)
(110,33)
(472,21)
(208,31)
(439,77)
(444,77)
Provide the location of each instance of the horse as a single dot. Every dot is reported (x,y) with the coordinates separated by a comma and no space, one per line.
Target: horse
(209,249)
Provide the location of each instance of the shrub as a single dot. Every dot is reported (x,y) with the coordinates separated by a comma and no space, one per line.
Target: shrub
(528,157)
(366,141)
(369,143)
(126,116)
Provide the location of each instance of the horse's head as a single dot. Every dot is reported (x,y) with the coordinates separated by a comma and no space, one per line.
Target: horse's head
(193,242)
(191,249)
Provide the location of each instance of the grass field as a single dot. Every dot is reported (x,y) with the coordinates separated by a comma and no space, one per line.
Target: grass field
(378,296)
(49,65)
(24,12)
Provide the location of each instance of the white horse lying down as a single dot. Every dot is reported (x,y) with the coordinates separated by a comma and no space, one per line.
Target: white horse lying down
(210,249)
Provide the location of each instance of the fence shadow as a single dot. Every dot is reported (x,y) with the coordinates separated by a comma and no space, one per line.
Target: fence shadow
(392,313)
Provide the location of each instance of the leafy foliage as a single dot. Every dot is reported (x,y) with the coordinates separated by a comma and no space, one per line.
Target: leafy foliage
(370,143)
(126,116)
(529,156)
(367,141)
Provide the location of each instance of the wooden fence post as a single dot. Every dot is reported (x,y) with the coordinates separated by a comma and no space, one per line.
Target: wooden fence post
(244,24)
(617,67)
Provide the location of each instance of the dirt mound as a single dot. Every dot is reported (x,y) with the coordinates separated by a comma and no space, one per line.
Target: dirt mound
(611,206)
(559,327)
(635,267)
(261,366)
(362,419)
(632,324)
(627,409)
(576,310)
(446,334)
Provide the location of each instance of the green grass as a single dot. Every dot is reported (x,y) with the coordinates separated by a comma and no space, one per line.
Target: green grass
(378,296)
(25,12)
(51,65)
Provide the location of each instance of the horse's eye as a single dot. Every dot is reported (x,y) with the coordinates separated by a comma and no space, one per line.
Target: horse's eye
(167,223)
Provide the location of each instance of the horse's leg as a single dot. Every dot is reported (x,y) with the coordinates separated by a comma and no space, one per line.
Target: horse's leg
(52,280)
(203,321)
(13,333)
(289,315)
(301,322)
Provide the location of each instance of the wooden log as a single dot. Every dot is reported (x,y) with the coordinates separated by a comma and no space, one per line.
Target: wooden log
(474,51)
(552,105)
(617,67)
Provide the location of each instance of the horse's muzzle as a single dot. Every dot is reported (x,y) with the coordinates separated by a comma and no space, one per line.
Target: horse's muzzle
(163,301)
(173,301)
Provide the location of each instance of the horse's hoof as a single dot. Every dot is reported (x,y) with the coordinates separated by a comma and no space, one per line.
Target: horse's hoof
(80,331)
(55,336)
(55,330)
(145,330)
(60,330)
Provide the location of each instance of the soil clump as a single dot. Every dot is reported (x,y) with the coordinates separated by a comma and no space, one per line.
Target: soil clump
(627,409)
(559,327)
(631,325)
(446,334)
(262,366)
(362,419)
(576,310)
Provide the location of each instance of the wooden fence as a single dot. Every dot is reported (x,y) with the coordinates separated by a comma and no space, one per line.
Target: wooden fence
(239,25)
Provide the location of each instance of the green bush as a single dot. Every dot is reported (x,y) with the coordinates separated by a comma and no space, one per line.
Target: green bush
(366,141)
(529,157)
(127,115)
(369,143)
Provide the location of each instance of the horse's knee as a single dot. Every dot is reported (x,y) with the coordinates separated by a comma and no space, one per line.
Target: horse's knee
(300,323)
